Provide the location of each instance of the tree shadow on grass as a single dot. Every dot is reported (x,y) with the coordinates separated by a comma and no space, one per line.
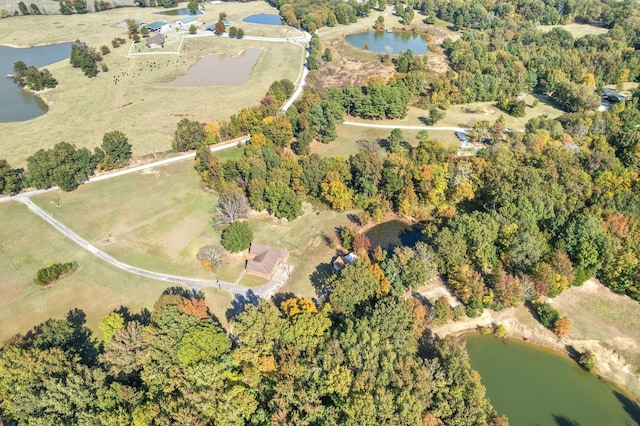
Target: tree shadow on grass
(240,302)
(143,317)
(319,278)
(564,421)
(278,298)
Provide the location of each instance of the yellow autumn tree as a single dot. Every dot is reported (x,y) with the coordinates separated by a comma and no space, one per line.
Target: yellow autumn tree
(335,192)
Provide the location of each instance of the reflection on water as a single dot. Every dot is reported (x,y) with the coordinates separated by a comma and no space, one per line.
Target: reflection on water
(218,70)
(389,42)
(393,233)
(17,104)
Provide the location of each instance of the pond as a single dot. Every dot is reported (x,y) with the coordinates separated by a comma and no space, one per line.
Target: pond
(392,234)
(17,104)
(535,386)
(263,18)
(178,12)
(219,70)
(389,42)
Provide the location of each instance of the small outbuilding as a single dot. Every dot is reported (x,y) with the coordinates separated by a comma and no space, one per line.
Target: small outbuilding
(342,261)
(155,41)
(155,26)
(186,21)
(613,96)
(265,260)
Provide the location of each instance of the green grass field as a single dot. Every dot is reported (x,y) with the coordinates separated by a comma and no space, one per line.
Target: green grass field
(125,98)
(576,30)
(156,219)
(27,243)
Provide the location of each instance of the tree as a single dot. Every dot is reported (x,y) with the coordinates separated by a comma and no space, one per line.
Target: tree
(193,7)
(327,56)
(352,286)
(23,8)
(117,150)
(189,135)
(562,326)
(34,9)
(282,201)
(144,32)
(240,33)
(441,311)
(10,179)
(218,28)
(212,257)
(193,29)
(110,325)
(396,138)
(233,31)
(232,206)
(236,237)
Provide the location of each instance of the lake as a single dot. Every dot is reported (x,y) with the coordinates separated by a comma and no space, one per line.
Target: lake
(219,70)
(263,18)
(532,385)
(17,104)
(389,42)
(178,12)
(392,234)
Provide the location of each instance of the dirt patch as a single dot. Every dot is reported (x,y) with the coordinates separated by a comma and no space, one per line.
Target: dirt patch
(602,321)
(347,69)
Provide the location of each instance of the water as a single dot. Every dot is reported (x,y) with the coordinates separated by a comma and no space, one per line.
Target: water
(393,234)
(17,104)
(389,42)
(178,12)
(219,70)
(264,18)
(535,386)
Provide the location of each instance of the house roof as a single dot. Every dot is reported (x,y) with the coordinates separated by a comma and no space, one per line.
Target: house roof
(186,19)
(610,93)
(342,261)
(157,38)
(155,26)
(265,260)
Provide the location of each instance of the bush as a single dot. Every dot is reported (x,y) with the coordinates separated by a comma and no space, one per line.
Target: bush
(48,275)
(587,360)
(548,316)
(237,237)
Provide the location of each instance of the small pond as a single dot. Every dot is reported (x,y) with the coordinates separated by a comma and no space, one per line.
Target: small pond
(389,42)
(392,234)
(178,12)
(263,18)
(535,386)
(219,70)
(17,104)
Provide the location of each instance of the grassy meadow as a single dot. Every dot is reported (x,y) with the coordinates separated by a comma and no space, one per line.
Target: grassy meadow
(125,97)
(27,243)
(576,30)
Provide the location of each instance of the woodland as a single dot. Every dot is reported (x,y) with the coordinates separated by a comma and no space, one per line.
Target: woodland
(528,216)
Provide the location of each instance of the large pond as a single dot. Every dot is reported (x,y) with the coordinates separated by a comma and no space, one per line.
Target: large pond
(389,42)
(393,234)
(178,12)
(534,386)
(219,70)
(263,18)
(17,104)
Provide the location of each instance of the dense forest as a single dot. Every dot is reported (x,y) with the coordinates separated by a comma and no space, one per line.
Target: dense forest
(296,364)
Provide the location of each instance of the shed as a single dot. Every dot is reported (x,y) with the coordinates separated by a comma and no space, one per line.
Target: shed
(155,41)
(613,96)
(342,261)
(187,20)
(155,26)
(265,259)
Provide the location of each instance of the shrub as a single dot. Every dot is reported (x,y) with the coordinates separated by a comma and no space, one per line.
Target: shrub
(48,275)
(548,316)
(237,237)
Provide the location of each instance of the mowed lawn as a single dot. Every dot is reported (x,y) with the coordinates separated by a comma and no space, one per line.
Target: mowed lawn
(27,243)
(126,97)
(576,30)
(156,219)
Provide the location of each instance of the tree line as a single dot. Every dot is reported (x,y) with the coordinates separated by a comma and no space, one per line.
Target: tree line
(293,362)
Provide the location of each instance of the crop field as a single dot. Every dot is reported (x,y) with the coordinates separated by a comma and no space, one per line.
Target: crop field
(126,97)
(27,244)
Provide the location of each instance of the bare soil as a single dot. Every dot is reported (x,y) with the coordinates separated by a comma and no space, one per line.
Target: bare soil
(602,321)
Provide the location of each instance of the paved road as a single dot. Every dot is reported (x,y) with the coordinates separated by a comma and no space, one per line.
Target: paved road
(266,290)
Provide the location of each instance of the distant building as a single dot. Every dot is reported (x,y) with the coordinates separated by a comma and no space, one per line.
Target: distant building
(265,260)
(155,41)
(342,261)
(155,26)
(185,21)
(613,96)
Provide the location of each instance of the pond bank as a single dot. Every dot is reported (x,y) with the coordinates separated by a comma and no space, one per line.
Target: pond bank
(520,323)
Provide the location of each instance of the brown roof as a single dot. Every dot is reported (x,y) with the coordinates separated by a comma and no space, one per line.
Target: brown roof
(265,260)
(157,39)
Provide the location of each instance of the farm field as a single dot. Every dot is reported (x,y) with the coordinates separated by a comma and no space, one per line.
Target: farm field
(125,97)
(95,287)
